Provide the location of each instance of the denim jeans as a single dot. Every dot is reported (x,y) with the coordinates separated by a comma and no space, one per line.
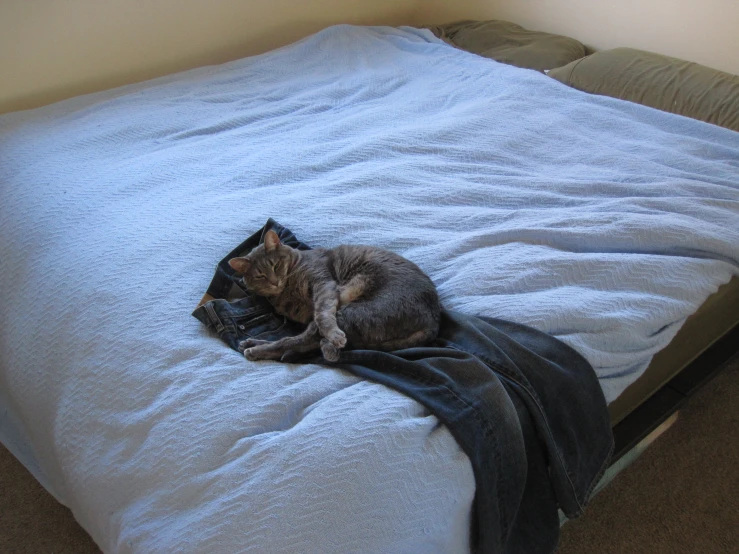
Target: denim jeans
(524,407)
(231,311)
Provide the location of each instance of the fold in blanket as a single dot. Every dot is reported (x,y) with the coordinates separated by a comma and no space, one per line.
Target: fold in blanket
(524,407)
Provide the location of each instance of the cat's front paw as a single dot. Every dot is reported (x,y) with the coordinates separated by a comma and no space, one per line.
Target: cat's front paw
(248,343)
(330,352)
(337,338)
(257,353)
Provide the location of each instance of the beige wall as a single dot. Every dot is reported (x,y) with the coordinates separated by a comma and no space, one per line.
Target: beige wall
(55,49)
(703,31)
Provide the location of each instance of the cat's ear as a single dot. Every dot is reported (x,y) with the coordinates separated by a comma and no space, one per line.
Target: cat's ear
(271,241)
(240,264)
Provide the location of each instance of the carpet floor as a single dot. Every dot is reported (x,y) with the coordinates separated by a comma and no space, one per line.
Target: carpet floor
(680,497)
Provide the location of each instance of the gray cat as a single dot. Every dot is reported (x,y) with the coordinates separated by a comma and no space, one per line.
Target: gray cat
(363,296)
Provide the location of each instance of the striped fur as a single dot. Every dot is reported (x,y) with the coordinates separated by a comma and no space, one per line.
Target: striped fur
(361,296)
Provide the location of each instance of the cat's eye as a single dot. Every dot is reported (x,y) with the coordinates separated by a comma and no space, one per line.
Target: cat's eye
(277,266)
(259,277)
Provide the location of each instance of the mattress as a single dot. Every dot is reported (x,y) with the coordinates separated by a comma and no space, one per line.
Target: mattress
(601,222)
(715,317)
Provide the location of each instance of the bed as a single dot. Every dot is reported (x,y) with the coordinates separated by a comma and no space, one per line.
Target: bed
(605,223)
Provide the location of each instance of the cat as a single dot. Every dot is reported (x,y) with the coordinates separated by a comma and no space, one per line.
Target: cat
(361,296)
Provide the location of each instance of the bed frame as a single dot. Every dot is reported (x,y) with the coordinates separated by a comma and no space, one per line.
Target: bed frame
(670,397)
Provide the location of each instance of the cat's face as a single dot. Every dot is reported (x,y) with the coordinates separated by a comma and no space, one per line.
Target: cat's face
(266,268)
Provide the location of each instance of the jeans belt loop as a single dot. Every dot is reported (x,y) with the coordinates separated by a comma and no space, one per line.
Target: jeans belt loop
(214,316)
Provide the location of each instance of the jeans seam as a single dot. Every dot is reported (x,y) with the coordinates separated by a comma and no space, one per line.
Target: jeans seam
(256,313)
(598,476)
(275,330)
(546,423)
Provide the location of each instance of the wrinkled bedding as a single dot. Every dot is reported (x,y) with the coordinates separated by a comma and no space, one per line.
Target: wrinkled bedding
(601,222)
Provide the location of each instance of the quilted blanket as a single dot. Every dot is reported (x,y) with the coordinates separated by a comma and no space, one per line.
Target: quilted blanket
(601,222)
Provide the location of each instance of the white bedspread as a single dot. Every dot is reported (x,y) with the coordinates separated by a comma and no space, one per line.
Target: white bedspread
(602,222)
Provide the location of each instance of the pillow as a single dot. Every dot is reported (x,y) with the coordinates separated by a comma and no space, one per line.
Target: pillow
(658,81)
(509,43)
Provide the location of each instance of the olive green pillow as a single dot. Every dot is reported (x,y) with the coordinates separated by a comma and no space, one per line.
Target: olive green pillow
(658,81)
(509,43)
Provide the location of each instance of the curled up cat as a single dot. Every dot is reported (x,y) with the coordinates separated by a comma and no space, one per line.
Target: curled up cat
(361,296)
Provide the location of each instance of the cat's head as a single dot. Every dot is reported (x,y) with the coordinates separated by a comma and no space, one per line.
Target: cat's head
(265,268)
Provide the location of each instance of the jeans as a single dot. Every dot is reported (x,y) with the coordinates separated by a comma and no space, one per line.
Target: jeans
(524,407)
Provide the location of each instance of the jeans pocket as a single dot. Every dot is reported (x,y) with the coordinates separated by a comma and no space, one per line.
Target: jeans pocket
(260,327)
